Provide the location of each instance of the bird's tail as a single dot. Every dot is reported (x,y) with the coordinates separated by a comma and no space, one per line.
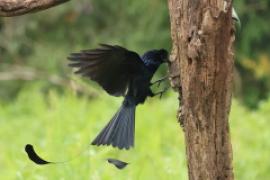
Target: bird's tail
(119,132)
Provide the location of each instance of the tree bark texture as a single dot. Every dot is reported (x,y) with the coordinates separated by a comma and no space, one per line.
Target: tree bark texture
(10,8)
(202,36)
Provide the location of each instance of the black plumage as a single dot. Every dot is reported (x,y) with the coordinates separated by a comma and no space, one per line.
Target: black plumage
(121,73)
(117,163)
(33,156)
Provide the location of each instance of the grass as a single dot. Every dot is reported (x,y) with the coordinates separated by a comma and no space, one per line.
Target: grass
(61,126)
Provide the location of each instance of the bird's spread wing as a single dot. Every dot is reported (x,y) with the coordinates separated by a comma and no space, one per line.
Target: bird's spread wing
(110,66)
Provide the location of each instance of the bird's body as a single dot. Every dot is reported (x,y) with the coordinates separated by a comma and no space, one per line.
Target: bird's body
(120,72)
(139,86)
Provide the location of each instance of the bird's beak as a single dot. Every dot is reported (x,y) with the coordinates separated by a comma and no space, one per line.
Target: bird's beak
(236,18)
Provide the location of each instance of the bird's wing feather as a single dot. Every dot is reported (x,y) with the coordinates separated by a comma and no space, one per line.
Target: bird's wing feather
(110,66)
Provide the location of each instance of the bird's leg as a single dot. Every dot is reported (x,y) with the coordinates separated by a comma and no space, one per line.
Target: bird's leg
(160,93)
(159,81)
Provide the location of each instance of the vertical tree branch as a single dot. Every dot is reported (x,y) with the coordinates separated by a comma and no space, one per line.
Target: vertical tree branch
(202,38)
(19,7)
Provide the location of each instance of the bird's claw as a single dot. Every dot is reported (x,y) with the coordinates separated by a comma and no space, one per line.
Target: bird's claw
(158,82)
(160,93)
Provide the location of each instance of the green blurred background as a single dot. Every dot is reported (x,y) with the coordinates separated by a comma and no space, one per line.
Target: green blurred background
(43,103)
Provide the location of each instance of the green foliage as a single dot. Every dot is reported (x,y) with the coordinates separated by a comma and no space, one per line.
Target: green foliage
(253,50)
(255,31)
(44,40)
(61,126)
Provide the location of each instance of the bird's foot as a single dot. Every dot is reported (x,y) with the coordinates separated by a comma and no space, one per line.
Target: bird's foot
(160,93)
(158,82)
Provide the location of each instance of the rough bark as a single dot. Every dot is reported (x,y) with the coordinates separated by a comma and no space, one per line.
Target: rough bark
(202,35)
(10,8)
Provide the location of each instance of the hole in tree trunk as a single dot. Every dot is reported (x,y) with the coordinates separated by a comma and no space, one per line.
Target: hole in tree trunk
(189,61)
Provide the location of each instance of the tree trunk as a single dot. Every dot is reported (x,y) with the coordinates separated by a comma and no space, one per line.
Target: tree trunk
(19,7)
(202,35)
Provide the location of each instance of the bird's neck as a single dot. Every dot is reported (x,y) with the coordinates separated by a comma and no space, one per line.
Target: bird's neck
(151,65)
(152,68)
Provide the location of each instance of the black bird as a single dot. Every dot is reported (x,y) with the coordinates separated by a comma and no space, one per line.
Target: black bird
(120,72)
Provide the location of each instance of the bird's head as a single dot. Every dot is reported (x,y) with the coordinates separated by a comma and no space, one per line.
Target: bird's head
(164,55)
(155,57)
